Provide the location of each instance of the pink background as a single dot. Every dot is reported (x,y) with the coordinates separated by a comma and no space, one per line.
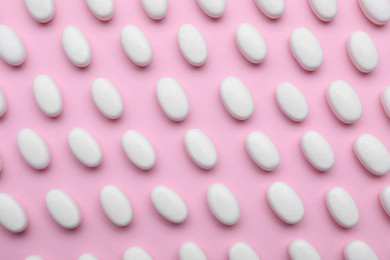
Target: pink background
(258,225)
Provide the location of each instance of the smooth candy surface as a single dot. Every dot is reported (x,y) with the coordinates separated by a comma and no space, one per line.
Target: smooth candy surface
(76,46)
(242,251)
(136,253)
(47,95)
(236,98)
(285,202)
(223,204)
(169,204)
(200,149)
(192,45)
(271,8)
(33,257)
(12,215)
(84,147)
(33,149)
(102,9)
(358,250)
(138,149)
(344,102)
(12,49)
(325,10)
(107,98)
(213,8)
(385,99)
(87,257)
(262,151)
(136,45)
(3,103)
(306,49)
(156,9)
(251,43)
(372,154)
(41,10)
(172,99)
(342,207)
(302,250)
(116,205)
(191,251)
(63,209)
(377,11)
(362,51)
(317,151)
(292,102)
(385,199)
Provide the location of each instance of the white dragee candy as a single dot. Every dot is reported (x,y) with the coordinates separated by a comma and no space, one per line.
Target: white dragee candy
(242,251)
(191,251)
(34,257)
(155,9)
(138,149)
(200,149)
(192,45)
(292,102)
(300,249)
(47,95)
(33,149)
(136,45)
(285,202)
(12,49)
(342,207)
(271,8)
(87,257)
(359,250)
(63,209)
(236,98)
(251,43)
(169,204)
(41,10)
(3,104)
(102,9)
(384,198)
(172,99)
(325,10)
(377,11)
(116,205)
(372,154)
(107,98)
(223,204)
(76,46)
(12,215)
(344,102)
(317,151)
(136,253)
(84,147)
(262,151)
(362,52)
(213,8)
(385,99)
(306,49)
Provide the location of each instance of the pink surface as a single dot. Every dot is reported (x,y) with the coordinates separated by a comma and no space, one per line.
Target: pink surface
(258,225)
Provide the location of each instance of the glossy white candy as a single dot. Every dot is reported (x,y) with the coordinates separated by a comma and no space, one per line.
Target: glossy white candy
(200,148)
(63,209)
(223,204)
(33,257)
(192,45)
(262,151)
(236,98)
(12,49)
(47,95)
(136,253)
(317,151)
(242,251)
(84,147)
(107,99)
(41,10)
(169,204)
(358,250)
(378,11)
(12,214)
(87,257)
(191,251)
(292,102)
(3,104)
(325,10)
(362,52)
(172,99)
(285,202)
(76,46)
(271,8)
(33,149)
(102,9)
(342,207)
(116,205)
(136,45)
(385,99)
(372,154)
(138,150)
(306,49)
(302,250)
(251,43)
(156,9)
(213,8)
(344,102)
(385,199)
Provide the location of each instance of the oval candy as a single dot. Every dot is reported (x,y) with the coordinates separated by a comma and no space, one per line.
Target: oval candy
(317,151)
(262,151)
(116,205)
(33,149)
(47,95)
(12,214)
(271,8)
(242,251)
(200,149)
(300,249)
(41,10)
(107,98)
(192,45)
(84,147)
(342,207)
(138,149)
(136,45)
(155,9)
(213,8)
(358,250)
(76,46)
(385,199)
(385,100)
(325,10)
(251,43)
(63,209)
(3,104)
(136,253)
(102,9)
(87,257)
(191,251)
(362,52)
(12,49)
(292,102)
(377,11)
(223,204)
